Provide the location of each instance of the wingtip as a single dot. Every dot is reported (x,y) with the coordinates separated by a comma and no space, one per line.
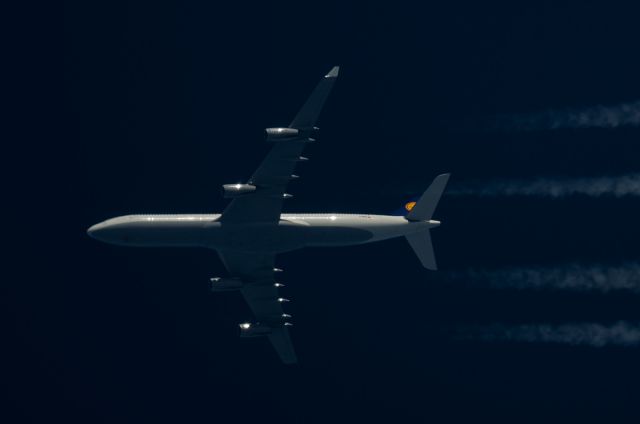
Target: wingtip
(333,73)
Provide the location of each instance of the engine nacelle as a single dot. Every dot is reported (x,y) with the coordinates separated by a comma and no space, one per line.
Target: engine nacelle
(275,134)
(249,329)
(236,190)
(225,284)
(257,329)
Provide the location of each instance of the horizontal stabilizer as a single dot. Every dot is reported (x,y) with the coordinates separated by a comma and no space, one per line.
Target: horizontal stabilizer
(421,244)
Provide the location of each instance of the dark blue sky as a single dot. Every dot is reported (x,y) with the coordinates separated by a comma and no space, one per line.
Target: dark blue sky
(163,103)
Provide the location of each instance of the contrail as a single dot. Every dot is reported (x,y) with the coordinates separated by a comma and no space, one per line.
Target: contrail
(601,116)
(621,333)
(619,186)
(572,277)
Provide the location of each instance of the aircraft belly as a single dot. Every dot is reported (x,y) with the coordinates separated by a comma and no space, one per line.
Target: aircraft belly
(149,233)
(290,233)
(285,236)
(260,239)
(345,230)
(336,236)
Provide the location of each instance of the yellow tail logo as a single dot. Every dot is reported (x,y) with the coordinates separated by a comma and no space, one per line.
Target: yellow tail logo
(409,206)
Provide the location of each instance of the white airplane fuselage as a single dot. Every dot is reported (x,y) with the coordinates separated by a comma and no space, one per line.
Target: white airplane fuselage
(293,231)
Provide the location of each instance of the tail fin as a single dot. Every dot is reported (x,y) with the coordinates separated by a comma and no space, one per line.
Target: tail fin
(423,210)
(426,205)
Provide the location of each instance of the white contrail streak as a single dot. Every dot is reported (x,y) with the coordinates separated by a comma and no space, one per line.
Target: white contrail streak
(617,186)
(571,277)
(602,116)
(621,333)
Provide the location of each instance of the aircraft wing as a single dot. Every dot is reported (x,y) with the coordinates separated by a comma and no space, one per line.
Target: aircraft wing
(275,171)
(259,290)
(264,205)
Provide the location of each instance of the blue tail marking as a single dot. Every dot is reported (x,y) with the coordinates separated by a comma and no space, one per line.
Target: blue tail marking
(404,210)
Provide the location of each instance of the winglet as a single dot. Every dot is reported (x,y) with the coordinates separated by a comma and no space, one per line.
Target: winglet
(282,343)
(333,73)
(310,111)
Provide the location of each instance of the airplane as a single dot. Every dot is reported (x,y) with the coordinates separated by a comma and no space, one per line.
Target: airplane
(252,229)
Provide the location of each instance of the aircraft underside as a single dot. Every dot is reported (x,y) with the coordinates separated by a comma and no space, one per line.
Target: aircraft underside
(290,233)
(252,229)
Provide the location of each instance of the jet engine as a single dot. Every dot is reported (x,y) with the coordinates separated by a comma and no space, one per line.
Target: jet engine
(236,190)
(225,284)
(275,134)
(250,329)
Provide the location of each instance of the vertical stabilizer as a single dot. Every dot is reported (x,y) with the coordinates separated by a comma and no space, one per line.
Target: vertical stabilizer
(426,205)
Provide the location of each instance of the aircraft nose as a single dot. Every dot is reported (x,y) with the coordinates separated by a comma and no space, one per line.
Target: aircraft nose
(94,230)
